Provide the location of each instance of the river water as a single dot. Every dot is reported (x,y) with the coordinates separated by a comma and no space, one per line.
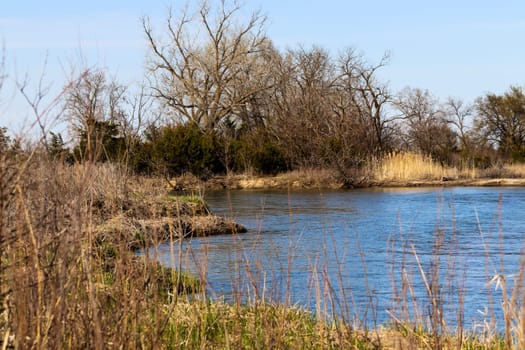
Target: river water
(368,256)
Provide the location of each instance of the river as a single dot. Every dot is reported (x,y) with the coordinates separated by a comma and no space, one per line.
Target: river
(354,254)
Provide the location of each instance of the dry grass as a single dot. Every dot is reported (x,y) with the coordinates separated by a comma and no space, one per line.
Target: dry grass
(60,287)
(518,170)
(397,169)
(296,179)
(511,171)
(405,167)
(312,178)
(413,167)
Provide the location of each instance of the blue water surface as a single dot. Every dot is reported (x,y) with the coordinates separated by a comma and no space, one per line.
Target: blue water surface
(354,254)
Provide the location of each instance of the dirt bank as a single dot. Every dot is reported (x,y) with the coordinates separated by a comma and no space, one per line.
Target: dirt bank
(451,183)
(294,181)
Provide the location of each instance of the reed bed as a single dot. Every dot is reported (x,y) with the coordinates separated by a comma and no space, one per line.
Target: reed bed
(405,167)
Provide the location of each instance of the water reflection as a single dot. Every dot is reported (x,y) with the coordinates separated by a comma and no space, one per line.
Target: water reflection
(352,253)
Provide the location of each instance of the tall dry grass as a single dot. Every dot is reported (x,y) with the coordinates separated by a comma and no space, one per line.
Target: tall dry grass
(405,167)
(408,167)
(517,170)
(60,288)
(426,322)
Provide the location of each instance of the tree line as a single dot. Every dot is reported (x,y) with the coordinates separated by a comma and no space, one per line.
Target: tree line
(222,98)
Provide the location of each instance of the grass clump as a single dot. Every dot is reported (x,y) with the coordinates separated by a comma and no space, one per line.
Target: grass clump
(406,167)
(195,202)
(409,167)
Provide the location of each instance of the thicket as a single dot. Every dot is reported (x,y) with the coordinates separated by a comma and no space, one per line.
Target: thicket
(223,99)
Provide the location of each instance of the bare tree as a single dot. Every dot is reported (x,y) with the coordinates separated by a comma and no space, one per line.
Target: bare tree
(359,84)
(45,106)
(205,69)
(460,115)
(140,112)
(426,125)
(501,120)
(302,103)
(95,112)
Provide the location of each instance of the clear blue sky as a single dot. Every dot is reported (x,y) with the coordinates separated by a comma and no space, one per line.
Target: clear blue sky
(452,48)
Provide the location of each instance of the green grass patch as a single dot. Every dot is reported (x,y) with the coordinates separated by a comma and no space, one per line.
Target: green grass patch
(196,202)
(218,325)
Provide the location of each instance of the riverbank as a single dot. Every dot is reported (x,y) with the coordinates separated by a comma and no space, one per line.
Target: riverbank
(298,181)
(145,220)
(396,170)
(70,278)
(236,324)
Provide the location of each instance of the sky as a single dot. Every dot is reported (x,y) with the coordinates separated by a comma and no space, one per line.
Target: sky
(462,49)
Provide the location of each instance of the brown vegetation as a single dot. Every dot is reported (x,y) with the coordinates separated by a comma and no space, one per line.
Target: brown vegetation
(71,213)
(68,275)
(70,280)
(393,170)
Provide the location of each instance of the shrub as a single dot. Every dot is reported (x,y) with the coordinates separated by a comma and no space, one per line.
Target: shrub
(269,159)
(175,150)
(518,156)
